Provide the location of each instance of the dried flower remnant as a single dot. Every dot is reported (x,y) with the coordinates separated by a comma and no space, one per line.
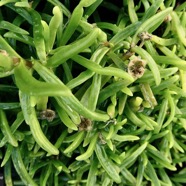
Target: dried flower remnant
(136,67)
(144,36)
(86,124)
(47,114)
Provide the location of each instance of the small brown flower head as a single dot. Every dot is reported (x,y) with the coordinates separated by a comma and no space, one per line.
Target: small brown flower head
(136,67)
(47,114)
(86,124)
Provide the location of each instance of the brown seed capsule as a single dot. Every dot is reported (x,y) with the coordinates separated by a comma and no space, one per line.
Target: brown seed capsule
(86,124)
(136,67)
(47,114)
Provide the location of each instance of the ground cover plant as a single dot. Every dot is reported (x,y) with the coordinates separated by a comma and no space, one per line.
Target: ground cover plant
(93,92)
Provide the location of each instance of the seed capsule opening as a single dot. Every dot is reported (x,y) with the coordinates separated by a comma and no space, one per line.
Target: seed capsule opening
(136,67)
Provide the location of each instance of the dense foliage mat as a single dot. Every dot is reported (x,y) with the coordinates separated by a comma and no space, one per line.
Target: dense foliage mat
(93,92)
